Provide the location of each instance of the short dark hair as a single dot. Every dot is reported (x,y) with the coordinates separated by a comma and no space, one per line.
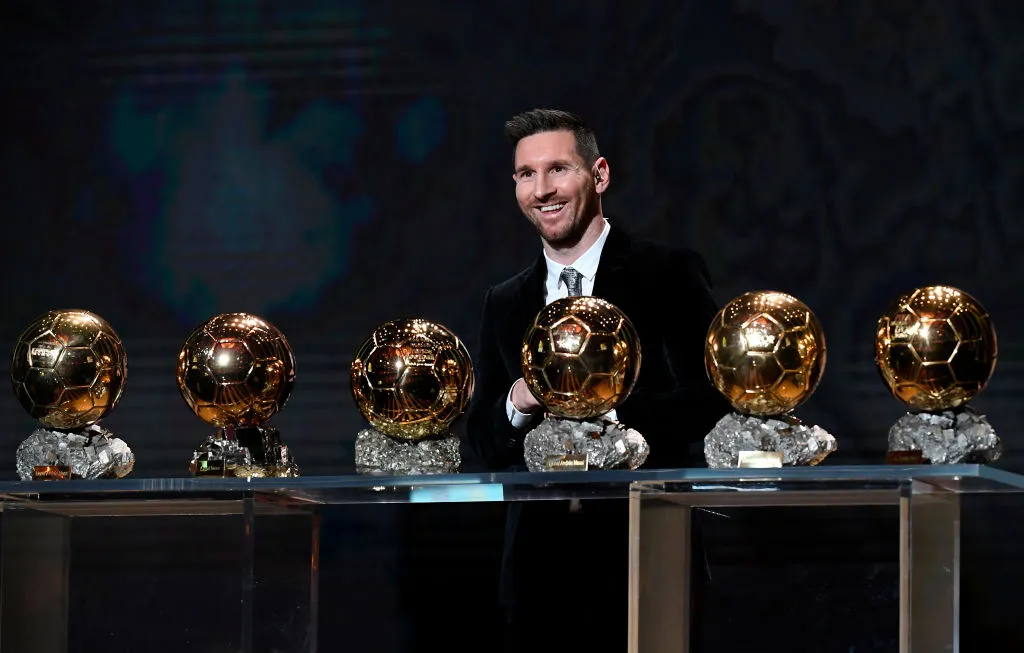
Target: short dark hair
(537,121)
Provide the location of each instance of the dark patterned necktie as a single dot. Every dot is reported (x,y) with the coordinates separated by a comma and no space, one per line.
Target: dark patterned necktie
(572,279)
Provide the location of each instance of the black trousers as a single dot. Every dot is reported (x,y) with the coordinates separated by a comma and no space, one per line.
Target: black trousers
(567,578)
(539,630)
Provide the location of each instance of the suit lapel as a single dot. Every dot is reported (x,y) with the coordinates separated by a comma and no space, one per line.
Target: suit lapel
(610,283)
(531,292)
(527,303)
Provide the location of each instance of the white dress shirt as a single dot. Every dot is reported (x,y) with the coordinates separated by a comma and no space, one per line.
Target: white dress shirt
(554,289)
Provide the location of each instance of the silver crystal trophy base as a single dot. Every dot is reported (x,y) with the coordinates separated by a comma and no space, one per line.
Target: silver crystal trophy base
(378,453)
(946,437)
(90,452)
(244,452)
(735,437)
(562,444)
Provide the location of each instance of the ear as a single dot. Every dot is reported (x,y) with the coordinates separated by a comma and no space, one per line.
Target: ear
(602,174)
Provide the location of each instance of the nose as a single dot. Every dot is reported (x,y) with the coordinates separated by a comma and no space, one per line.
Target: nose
(541,186)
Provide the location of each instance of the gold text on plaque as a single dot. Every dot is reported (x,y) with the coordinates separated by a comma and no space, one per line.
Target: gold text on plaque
(570,462)
(759,459)
(910,457)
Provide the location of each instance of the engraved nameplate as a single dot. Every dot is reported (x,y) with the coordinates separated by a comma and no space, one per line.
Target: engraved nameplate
(570,462)
(759,459)
(51,472)
(914,457)
(208,467)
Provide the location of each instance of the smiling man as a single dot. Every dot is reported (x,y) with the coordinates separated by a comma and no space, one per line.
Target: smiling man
(564,571)
(559,189)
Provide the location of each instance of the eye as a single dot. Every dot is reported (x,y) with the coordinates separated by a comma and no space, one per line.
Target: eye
(558,169)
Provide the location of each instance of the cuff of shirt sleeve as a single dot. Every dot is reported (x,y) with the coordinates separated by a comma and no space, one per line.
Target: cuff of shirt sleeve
(515,417)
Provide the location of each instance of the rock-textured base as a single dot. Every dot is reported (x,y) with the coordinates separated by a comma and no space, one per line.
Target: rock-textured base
(798,443)
(250,452)
(90,452)
(606,445)
(377,453)
(947,437)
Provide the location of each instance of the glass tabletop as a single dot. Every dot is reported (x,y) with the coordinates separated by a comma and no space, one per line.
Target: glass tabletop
(511,486)
(853,485)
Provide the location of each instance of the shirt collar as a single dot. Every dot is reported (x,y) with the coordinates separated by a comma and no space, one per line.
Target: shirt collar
(587,262)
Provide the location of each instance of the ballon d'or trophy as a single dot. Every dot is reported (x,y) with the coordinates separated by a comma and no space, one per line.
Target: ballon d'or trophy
(411,379)
(69,369)
(236,371)
(581,358)
(936,349)
(765,352)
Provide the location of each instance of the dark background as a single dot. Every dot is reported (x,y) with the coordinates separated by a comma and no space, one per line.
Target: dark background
(332,165)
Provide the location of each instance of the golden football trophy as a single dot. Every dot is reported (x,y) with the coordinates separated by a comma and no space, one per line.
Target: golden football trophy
(235,371)
(765,352)
(936,349)
(581,358)
(68,369)
(411,379)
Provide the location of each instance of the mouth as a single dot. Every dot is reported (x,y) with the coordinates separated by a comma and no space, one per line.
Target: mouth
(551,210)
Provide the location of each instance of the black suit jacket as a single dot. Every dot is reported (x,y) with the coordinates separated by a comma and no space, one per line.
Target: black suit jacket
(666,293)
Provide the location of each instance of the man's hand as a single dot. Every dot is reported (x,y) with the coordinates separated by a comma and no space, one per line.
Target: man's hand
(523,399)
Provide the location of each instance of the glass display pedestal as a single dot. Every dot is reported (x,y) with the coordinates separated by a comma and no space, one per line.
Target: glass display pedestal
(202,564)
(246,566)
(928,500)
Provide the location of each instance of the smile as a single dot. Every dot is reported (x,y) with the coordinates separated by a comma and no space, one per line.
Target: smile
(552,208)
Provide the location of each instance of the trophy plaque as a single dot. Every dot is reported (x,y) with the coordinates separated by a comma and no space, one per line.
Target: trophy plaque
(765,352)
(411,379)
(936,349)
(235,371)
(581,358)
(68,370)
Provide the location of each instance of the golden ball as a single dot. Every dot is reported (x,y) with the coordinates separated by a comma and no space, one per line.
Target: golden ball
(581,357)
(935,348)
(68,368)
(765,352)
(236,369)
(411,378)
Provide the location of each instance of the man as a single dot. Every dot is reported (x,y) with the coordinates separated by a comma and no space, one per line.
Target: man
(565,566)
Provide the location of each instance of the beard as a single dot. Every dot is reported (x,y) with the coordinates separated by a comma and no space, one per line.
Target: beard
(563,236)
(568,232)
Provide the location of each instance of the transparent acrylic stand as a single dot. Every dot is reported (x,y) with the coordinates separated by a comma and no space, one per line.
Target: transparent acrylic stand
(928,499)
(74,554)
